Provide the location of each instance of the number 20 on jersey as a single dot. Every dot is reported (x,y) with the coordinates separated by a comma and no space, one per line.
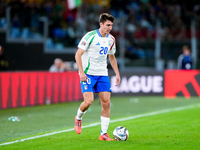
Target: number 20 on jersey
(103,51)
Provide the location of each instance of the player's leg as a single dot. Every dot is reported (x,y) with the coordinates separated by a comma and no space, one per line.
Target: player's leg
(88,99)
(105,115)
(104,88)
(87,90)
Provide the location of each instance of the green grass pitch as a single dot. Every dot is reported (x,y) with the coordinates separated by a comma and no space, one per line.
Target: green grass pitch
(172,130)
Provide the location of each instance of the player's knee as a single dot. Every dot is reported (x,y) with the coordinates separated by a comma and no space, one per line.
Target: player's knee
(89,102)
(106,104)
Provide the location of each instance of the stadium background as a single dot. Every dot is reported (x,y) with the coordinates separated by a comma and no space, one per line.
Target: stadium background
(149,35)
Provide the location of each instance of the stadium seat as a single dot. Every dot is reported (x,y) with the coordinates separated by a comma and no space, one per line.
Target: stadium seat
(49,44)
(36,36)
(25,33)
(14,32)
(59,46)
(3,23)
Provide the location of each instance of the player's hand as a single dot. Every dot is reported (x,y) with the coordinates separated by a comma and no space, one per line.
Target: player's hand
(83,77)
(118,80)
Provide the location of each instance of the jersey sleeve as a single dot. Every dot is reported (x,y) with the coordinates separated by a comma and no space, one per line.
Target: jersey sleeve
(85,41)
(112,49)
(83,44)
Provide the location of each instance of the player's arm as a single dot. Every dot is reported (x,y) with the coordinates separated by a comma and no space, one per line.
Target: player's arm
(78,59)
(113,63)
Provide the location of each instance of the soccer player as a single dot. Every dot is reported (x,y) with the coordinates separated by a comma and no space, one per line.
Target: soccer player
(91,58)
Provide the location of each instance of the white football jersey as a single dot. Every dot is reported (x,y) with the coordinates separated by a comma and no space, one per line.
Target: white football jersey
(96,47)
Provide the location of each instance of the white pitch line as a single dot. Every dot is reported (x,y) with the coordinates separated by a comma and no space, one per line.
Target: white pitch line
(112,121)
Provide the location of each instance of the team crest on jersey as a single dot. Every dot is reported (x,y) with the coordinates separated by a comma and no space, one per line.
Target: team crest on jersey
(83,43)
(110,42)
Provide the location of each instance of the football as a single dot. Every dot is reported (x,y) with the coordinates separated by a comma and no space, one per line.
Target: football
(120,134)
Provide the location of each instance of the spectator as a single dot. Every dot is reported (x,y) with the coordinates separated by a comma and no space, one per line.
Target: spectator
(3,61)
(59,66)
(185,60)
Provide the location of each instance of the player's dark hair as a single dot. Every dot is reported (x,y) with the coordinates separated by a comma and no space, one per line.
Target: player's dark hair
(105,16)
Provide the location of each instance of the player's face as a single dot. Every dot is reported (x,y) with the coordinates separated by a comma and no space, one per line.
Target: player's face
(106,26)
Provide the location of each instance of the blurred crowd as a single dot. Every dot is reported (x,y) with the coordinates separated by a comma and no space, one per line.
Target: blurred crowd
(139,18)
(4,64)
(60,66)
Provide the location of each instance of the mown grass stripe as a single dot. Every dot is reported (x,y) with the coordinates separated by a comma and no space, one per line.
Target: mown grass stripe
(112,121)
